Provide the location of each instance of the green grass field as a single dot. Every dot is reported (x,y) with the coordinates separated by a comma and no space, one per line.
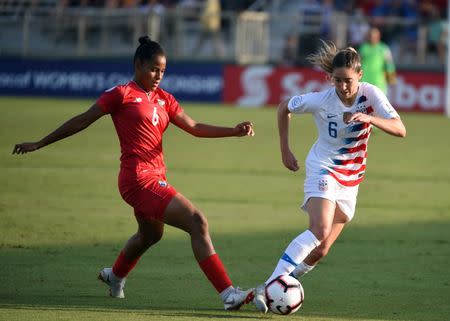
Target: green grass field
(62,220)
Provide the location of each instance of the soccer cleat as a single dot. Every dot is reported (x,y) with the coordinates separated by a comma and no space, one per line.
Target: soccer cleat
(237,298)
(115,284)
(260,299)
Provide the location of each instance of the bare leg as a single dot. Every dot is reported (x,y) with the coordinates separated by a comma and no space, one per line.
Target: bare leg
(182,214)
(339,221)
(149,233)
(321,214)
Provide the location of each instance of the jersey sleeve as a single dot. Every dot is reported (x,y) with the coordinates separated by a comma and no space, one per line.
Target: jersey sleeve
(110,100)
(381,105)
(307,103)
(174,107)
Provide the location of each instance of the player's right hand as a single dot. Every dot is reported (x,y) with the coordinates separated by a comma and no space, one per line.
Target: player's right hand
(290,161)
(26,148)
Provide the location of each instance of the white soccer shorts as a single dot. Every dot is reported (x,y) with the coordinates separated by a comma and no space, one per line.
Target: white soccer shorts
(327,187)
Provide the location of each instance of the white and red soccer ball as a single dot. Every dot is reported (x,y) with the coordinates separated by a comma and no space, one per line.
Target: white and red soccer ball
(284,295)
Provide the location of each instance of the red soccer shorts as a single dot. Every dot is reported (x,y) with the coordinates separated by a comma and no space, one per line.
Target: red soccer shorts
(149,194)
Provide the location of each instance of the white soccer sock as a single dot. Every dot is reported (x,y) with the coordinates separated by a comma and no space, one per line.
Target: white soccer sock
(295,253)
(225,293)
(302,269)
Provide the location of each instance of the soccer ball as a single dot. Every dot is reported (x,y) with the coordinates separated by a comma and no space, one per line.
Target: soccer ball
(284,295)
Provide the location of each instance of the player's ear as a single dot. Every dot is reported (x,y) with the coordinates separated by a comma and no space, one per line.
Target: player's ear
(138,64)
(360,74)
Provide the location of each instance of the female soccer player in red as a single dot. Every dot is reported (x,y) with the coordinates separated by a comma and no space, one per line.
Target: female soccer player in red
(141,112)
(344,115)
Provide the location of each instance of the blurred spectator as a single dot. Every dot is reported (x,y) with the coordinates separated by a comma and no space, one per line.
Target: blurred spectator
(385,12)
(378,13)
(311,29)
(327,10)
(444,42)
(210,21)
(154,7)
(409,9)
(311,11)
(111,4)
(130,4)
(236,5)
(289,55)
(377,62)
(347,6)
(358,28)
(436,29)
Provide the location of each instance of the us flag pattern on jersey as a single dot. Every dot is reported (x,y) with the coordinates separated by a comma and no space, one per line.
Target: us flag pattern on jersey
(350,165)
(341,149)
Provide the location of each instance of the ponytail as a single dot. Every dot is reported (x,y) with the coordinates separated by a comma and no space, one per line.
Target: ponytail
(328,57)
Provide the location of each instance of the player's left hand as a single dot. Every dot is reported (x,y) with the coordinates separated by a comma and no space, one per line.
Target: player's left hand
(244,129)
(360,117)
(26,148)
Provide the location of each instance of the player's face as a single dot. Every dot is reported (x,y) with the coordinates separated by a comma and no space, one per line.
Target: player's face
(346,81)
(150,73)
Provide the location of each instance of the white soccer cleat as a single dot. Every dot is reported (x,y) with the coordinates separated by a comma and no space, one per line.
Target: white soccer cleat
(260,299)
(115,284)
(237,298)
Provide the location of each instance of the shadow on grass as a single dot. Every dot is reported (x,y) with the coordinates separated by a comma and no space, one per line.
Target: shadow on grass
(385,272)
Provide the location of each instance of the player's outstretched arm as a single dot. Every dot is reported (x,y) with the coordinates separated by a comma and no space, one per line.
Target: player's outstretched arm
(194,128)
(288,158)
(70,127)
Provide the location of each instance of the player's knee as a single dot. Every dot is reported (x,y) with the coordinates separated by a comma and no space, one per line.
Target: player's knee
(148,239)
(199,223)
(321,232)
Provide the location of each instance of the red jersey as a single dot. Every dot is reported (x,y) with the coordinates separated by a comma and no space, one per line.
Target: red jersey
(140,119)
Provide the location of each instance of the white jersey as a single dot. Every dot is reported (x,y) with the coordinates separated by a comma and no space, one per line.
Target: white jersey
(341,149)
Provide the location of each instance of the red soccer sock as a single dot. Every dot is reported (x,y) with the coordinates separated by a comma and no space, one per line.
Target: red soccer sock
(122,266)
(215,272)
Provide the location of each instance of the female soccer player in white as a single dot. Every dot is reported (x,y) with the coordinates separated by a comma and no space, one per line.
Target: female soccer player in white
(344,115)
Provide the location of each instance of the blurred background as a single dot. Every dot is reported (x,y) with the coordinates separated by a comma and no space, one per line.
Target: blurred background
(211,43)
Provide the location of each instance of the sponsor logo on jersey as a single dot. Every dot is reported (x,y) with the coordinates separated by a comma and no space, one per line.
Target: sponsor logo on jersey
(161,102)
(138,100)
(163,183)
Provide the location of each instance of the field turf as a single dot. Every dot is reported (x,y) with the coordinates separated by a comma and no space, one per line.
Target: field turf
(62,220)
